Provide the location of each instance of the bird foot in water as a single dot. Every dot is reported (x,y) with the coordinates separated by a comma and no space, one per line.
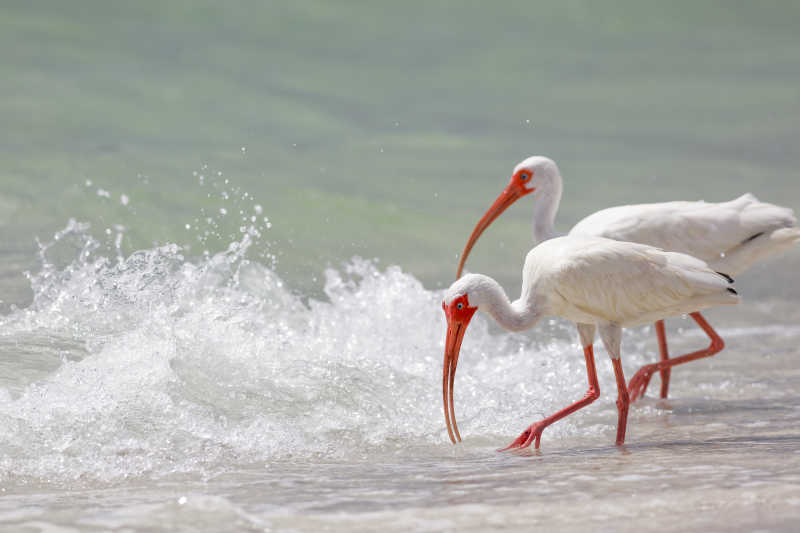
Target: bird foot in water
(526,438)
(639,382)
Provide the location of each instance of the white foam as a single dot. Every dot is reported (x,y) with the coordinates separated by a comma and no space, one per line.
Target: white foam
(159,364)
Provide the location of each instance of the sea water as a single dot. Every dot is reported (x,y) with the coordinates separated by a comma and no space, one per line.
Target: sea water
(157,389)
(225,232)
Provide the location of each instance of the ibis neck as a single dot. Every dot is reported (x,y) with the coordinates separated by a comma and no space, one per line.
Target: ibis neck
(545,206)
(515,316)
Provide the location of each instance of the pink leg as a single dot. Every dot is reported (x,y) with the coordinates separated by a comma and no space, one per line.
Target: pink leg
(535,430)
(662,348)
(640,380)
(622,401)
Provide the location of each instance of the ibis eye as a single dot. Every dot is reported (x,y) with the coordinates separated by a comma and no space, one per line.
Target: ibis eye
(459,306)
(524,176)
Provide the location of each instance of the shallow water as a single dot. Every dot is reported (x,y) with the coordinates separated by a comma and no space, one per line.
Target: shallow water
(156,390)
(224,234)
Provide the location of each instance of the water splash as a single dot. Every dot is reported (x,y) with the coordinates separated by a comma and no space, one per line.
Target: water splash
(156,364)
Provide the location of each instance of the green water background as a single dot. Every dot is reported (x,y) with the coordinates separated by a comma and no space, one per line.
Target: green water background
(381,129)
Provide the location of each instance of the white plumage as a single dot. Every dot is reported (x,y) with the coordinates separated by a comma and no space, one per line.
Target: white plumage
(729,236)
(593,279)
(587,279)
(595,282)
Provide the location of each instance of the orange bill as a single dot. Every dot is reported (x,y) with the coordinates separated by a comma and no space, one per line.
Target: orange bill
(513,192)
(458,316)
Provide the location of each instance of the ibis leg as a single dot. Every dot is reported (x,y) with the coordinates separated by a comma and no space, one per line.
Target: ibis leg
(664,352)
(639,381)
(622,400)
(612,338)
(534,432)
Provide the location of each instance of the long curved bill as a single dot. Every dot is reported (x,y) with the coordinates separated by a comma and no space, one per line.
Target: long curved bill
(509,195)
(452,347)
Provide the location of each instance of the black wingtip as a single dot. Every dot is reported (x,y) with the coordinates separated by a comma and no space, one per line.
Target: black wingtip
(724,275)
(732,291)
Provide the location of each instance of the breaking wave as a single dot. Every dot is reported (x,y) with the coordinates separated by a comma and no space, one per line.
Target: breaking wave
(158,364)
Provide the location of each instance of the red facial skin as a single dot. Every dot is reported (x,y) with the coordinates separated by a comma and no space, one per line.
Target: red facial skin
(516,189)
(458,314)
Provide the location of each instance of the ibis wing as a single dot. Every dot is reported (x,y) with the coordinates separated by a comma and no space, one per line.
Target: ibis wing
(625,282)
(704,230)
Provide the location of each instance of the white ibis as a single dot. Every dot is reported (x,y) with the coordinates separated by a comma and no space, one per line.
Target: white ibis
(599,284)
(729,236)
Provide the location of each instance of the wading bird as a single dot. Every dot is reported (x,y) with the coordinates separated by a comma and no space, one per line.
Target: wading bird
(597,283)
(729,236)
